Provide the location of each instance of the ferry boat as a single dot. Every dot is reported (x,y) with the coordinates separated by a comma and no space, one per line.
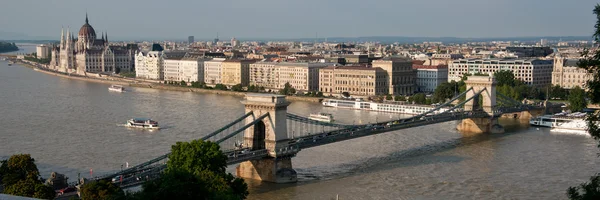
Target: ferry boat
(323,117)
(394,107)
(116,88)
(556,120)
(145,123)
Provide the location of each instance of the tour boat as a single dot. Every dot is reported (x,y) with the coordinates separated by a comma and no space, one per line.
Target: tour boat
(556,120)
(146,123)
(323,117)
(116,88)
(394,107)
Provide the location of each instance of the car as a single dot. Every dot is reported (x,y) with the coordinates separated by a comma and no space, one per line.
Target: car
(117,178)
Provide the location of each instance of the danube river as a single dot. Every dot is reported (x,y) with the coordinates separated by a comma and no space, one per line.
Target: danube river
(69,126)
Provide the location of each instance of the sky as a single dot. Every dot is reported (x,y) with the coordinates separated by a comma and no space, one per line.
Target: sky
(287,19)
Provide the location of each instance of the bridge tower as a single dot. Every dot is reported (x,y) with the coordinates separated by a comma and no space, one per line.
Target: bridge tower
(488,104)
(270,134)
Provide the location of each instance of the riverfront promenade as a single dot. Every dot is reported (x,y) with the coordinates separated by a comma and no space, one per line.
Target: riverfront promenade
(131,82)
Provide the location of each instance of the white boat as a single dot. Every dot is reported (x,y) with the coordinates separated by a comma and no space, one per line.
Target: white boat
(145,123)
(556,120)
(323,117)
(394,107)
(116,88)
(578,126)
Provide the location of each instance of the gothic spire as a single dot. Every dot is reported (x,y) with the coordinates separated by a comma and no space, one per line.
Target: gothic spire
(86,18)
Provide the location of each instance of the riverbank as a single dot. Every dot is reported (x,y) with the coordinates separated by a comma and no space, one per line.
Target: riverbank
(146,84)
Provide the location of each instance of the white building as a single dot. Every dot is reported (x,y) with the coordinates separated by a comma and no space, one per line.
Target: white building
(212,71)
(430,76)
(149,65)
(43,51)
(273,75)
(532,72)
(172,69)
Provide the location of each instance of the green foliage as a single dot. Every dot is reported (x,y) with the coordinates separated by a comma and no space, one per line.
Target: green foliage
(237,88)
(319,94)
(20,177)
(220,87)
(577,100)
(195,170)
(41,61)
(166,82)
(253,88)
(196,84)
(388,97)
(101,190)
(8,47)
(130,75)
(419,98)
(590,62)
(505,77)
(447,91)
(183,83)
(557,92)
(287,89)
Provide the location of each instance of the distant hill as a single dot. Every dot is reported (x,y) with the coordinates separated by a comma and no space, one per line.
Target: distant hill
(404,39)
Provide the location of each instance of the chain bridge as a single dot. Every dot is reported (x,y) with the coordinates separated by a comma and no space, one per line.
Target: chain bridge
(263,141)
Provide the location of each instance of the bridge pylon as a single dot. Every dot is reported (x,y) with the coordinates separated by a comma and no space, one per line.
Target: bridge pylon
(270,134)
(487,104)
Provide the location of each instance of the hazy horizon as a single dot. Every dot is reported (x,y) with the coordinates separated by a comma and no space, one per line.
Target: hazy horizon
(272,19)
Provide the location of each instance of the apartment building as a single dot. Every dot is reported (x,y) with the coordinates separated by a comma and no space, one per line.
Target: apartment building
(534,72)
(264,74)
(212,71)
(302,76)
(235,72)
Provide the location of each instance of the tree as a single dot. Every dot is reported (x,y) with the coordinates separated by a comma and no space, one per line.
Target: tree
(419,98)
(237,88)
(183,83)
(319,94)
(20,177)
(505,77)
(558,92)
(590,62)
(220,87)
(195,170)
(577,100)
(101,190)
(388,97)
(287,89)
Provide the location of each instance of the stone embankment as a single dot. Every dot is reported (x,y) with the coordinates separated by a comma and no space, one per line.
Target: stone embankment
(148,84)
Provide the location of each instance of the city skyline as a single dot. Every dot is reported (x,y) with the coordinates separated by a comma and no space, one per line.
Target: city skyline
(268,19)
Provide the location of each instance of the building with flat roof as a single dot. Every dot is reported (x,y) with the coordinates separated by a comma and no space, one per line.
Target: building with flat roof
(534,72)
(235,72)
(264,74)
(212,71)
(401,75)
(430,76)
(42,51)
(357,80)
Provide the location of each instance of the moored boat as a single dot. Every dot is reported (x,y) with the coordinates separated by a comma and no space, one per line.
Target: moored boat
(394,107)
(578,126)
(323,117)
(116,88)
(556,120)
(145,123)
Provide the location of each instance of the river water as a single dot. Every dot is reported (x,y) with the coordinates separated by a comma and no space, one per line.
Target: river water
(69,126)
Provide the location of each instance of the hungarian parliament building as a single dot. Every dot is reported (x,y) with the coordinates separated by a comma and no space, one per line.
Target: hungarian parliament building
(88,54)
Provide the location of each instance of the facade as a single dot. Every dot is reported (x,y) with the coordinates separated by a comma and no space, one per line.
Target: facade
(235,72)
(192,68)
(429,77)
(302,76)
(212,71)
(190,39)
(401,76)
(149,65)
(356,80)
(567,75)
(532,72)
(172,69)
(87,53)
(42,51)
(530,51)
(264,74)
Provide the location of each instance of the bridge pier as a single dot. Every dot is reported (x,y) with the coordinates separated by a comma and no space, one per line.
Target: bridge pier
(270,134)
(276,170)
(488,103)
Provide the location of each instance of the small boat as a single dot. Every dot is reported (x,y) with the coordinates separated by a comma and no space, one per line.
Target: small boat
(116,88)
(575,126)
(145,123)
(322,117)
